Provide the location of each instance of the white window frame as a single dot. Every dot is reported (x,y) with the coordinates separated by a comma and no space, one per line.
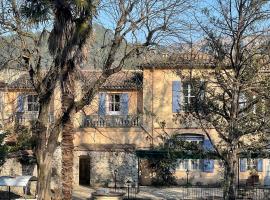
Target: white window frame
(189,96)
(32,103)
(242,101)
(188,164)
(111,112)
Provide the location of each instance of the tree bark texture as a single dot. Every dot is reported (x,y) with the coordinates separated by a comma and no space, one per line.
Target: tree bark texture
(67,160)
(230,176)
(44,179)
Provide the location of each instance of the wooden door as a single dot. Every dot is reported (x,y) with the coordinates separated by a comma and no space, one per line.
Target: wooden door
(84,170)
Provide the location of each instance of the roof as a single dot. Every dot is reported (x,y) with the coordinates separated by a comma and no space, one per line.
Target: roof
(106,147)
(189,60)
(121,80)
(23,82)
(178,60)
(126,79)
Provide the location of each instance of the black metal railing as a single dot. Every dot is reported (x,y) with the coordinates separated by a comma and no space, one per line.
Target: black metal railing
(112,121)
(130,191)
(211,192)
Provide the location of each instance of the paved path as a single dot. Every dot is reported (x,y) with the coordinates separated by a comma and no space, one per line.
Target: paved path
(153,193)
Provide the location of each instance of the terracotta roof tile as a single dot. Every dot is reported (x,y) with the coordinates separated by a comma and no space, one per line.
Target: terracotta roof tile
(120,80)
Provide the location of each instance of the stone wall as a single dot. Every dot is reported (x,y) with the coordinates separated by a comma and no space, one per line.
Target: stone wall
(12,167)
(104,163)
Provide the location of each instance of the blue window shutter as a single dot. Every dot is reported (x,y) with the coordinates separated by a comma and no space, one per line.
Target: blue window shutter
(202,90)
(208,166)
(124,103)
(102,104)
(243,164)
(176,94)
(20,103)
(260,165)
(202,165)
(207,145)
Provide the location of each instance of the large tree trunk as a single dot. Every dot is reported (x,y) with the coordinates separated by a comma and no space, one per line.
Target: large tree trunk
(44,179)
(230,176)
(44,152)
(67,160)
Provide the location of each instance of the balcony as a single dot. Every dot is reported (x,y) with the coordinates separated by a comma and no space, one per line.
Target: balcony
(23,118)
(112,121)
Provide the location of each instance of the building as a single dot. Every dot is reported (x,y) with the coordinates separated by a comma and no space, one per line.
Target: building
(132,112)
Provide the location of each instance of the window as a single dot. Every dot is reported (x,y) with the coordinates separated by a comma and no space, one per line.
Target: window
(251,164)
(183,164)
(189,164)
(32,103)
(184,95)
(195,164)
(188,95)
(114,103)
(242,101)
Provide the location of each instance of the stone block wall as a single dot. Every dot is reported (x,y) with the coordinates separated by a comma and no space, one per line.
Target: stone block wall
(104,163)
(12,167)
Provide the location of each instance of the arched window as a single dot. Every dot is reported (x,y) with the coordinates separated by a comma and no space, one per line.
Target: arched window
(190,137)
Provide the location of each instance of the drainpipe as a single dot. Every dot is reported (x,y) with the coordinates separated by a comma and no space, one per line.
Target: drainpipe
(152,112)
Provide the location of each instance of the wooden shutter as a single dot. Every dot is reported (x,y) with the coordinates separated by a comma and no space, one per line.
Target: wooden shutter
(260,165)
(176,96)
(208,166)
(20,103)
(243,164)
(207,145)
(124,99)
(102,104)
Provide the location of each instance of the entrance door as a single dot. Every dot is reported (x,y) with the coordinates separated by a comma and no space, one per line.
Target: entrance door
(267,172)
(84,170)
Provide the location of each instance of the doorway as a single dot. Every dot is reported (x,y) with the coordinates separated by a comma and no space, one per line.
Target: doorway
(84,170)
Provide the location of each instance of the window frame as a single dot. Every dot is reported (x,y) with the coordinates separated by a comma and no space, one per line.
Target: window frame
(186,104)
(34,105)
(188,164)
(113,103)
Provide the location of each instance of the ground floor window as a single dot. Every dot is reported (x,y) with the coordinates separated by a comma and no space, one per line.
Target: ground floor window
(189,164)
(251,164)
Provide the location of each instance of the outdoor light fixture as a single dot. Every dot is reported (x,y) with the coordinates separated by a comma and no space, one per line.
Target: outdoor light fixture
(187,172)
(115,172)
(128,185)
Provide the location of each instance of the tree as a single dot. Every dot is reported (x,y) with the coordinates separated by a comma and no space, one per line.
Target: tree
(237,88)
(136,24)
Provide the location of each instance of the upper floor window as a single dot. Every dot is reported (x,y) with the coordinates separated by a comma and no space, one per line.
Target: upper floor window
(113,103)
(189,95)
(184,94)
(32,103)
(242,101)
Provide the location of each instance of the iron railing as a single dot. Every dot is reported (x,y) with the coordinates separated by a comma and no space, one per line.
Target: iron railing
(112,121)
(25,117)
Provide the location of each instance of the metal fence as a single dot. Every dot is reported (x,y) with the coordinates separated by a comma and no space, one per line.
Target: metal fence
(204,193)
(216,193)
(130,191)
